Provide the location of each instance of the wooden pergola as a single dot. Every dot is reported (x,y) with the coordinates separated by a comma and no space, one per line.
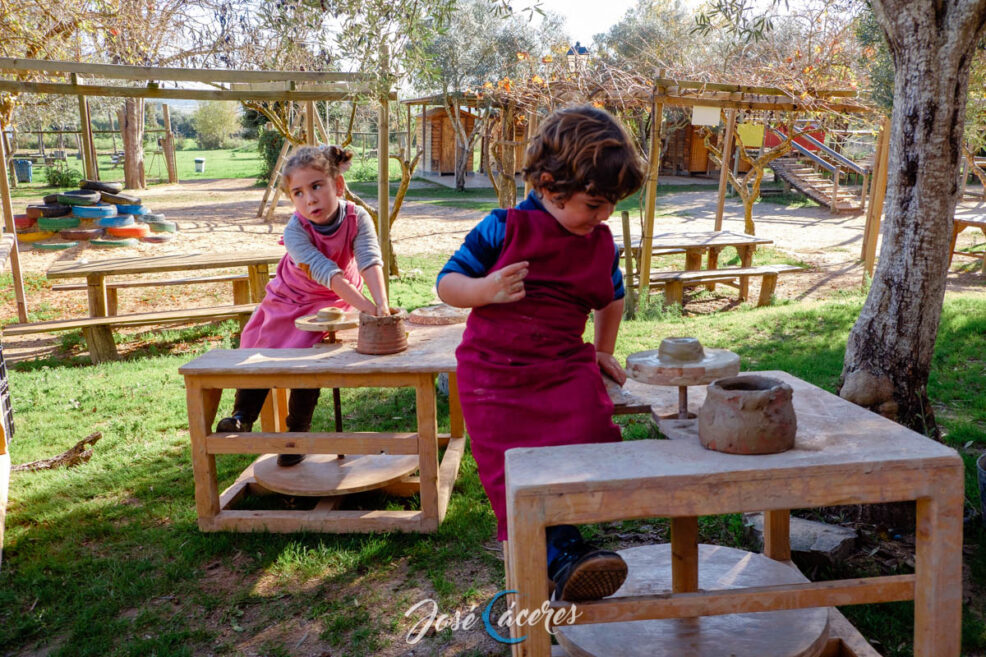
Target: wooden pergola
(625,90)
(84,80)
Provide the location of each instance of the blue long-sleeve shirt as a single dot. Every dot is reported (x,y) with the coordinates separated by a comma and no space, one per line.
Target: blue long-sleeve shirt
(482,246)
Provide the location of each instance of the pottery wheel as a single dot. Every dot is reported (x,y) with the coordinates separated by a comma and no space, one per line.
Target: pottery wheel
(650,367)
(313,323)
(321,475)
(439,314)
(788,633)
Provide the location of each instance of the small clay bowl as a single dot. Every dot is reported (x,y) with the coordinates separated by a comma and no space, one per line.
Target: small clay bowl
(382,335)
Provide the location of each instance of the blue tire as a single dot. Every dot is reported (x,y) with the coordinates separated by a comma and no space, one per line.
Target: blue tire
(100,211)
(132,209)
(116,222)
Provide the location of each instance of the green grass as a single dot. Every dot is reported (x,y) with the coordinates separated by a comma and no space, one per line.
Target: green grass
(106,558)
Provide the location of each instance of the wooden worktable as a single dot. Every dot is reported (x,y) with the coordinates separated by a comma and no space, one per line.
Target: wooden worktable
(843,454)
(431,350)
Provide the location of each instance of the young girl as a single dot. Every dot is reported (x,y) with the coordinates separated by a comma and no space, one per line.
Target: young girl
(331,249)
(531,275)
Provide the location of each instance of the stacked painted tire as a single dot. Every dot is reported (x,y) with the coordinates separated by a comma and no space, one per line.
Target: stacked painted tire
(98,213)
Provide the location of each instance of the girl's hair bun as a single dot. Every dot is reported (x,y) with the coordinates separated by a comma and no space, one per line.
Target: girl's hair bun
(339,157)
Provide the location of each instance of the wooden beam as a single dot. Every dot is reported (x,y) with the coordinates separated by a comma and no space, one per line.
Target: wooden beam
(92,142)
(310,122)
(650,201)
(151,73)
(743,88)
(180,94)
(168,146)
(8,223)
(878,191)
(383,180)
(727,149)
(85,135)
(762,103)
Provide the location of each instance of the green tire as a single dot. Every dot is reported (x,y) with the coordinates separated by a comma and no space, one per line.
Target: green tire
(58,223)
(128,241)
(54,246)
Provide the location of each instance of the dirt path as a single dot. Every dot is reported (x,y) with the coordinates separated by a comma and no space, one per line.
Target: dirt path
(220,216)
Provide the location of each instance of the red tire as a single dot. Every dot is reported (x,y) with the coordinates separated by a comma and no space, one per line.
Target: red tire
(136,230)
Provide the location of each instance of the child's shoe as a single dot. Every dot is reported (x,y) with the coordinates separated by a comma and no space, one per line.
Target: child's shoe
(233,424)
(580,571)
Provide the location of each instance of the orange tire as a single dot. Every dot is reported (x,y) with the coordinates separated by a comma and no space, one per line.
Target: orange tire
(136,230)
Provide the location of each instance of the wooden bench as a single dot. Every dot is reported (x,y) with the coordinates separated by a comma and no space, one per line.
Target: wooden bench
(100,350)
(241,287)
(675,282)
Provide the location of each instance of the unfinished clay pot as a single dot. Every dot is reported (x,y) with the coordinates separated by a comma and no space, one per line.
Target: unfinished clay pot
(382,335)
(747,414)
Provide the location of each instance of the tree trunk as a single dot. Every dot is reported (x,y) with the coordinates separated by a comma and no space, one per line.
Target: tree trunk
(132,129)
(507,188)
(888,357)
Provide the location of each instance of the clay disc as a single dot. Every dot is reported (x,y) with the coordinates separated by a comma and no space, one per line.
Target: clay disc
(313,323)
(789,633)
(438,315)
(649,367)
(322,475)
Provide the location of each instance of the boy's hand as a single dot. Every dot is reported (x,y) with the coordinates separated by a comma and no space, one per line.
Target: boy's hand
(611,367)
(507,285)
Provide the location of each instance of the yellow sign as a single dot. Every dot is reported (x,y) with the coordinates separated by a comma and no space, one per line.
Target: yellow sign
(751,134)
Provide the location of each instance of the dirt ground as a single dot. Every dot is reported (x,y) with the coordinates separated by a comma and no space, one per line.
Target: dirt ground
(220,216)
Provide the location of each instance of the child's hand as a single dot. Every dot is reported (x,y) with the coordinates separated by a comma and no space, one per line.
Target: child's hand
(382,311)
(611,367)
(507,285)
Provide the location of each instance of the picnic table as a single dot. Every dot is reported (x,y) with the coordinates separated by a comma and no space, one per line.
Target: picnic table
(102,312)
(957,227)
(695,245)
(843,455)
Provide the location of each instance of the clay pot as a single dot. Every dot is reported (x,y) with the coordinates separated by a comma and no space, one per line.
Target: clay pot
(382,335)
(747,414)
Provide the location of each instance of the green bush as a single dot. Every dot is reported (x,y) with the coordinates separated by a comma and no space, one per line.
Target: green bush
(60,175)
(269,145)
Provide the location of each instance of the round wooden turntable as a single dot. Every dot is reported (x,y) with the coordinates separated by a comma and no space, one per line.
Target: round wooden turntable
(788,633)
(324,475)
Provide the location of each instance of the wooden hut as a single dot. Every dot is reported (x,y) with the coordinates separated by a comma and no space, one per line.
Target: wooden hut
(440,149)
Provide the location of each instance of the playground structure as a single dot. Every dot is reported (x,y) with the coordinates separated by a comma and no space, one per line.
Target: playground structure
(306,87)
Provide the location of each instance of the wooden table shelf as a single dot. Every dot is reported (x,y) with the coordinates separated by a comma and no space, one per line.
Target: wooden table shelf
(843,455)
(431,351)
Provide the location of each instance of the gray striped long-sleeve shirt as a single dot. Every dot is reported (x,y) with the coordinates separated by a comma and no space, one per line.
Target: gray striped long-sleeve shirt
(299,245)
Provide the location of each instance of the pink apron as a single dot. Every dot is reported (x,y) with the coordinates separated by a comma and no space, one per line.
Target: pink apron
(293,294)
(526,378)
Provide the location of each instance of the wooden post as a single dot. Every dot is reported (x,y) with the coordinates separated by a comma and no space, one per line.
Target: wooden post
(168,146)
(310,122)
(93,158)
(383,168)
(109,115)
(835,191)
(684,554)
(878,190)
(85,134)
(650,202)
(727,149)
(629,305)
(8,223)
(9,157)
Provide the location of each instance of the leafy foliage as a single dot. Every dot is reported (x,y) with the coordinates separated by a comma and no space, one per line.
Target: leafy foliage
(215,122)
(58,175)
(269,144)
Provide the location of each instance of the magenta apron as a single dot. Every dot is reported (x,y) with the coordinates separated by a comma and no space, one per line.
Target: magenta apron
(293,294)
(526,378)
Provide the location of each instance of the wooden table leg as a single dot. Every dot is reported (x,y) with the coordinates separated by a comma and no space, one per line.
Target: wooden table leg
(99,339)
(259,277)
(713,264)
(777,534)
(202,405)
(746,260)
(693,259)
(427,451)
(457,427)
(938,569)
(528,572)
(274,414)
(684,554)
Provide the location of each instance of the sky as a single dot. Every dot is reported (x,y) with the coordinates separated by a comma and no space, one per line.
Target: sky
(585,18)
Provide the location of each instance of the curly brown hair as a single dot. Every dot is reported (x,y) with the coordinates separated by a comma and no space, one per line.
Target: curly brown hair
(584,149)
(330,160)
